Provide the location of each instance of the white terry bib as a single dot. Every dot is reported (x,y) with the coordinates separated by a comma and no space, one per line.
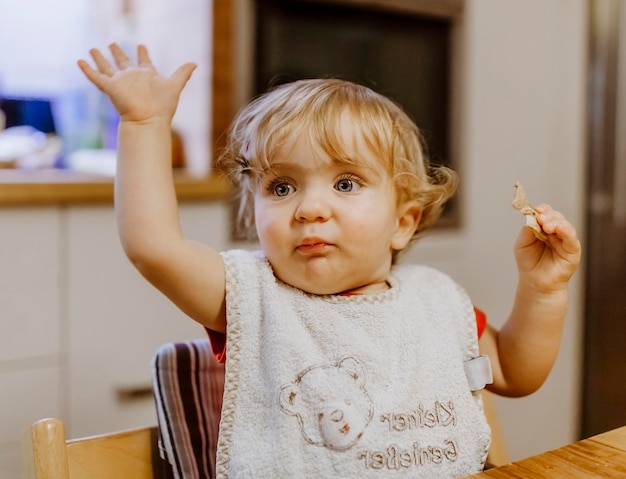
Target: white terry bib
(364,386)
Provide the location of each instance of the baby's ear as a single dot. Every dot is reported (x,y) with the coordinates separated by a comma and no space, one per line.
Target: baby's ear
(353,368)
(289,399)
(408,218)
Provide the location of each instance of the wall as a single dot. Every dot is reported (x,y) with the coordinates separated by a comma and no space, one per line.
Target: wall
(178,32)
(522,90)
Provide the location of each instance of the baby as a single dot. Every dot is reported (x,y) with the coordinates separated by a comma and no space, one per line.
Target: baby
(340,361)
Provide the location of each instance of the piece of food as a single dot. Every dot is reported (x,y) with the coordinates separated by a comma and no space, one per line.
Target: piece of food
(520,203)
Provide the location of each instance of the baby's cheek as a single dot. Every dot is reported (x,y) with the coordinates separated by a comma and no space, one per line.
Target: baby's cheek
(275,236)
(270,229)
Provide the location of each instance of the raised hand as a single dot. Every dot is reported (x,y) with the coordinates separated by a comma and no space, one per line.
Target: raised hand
(138,92)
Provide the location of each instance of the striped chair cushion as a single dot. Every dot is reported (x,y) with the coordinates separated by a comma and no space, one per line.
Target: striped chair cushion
(188,385)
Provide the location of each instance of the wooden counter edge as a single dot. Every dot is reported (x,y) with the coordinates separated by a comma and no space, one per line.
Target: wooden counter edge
(64,187)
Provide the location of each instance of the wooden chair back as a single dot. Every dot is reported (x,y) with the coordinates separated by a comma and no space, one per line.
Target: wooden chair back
(120,455)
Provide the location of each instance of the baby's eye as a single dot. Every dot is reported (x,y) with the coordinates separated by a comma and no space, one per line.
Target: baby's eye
(347,185)
(281,188)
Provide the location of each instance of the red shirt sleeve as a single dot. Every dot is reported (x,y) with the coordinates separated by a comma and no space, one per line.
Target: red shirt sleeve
(218,340)
(218,344)
(481,321)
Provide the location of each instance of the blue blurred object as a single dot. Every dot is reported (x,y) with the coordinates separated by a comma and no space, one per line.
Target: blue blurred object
(74,116)
(35,112)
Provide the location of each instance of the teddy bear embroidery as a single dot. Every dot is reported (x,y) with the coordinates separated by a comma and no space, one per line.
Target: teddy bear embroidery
(330,403)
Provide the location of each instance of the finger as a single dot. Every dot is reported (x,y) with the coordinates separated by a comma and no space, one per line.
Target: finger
(543,208)
(551,220)
(121,60)
(92,75)
(527,238)
(566,232)
(549,225)
(562,237)
(143,59)
(182,75)
(101,62)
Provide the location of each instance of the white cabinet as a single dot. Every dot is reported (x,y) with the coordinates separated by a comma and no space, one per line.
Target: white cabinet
(117,320)
(29,283)
(77,322)
(30,325)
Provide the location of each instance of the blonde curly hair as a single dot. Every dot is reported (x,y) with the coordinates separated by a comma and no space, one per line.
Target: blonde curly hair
(315,108)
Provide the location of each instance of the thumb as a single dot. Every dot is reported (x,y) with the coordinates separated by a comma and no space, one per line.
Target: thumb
(182,74)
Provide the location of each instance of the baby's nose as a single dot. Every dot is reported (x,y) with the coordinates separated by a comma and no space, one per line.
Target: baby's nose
(314,206)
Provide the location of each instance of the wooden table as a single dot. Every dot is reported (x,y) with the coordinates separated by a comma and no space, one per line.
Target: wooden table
(603,455)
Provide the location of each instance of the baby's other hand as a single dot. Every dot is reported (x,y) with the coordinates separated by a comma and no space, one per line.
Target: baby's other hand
(138,92)
(548,265)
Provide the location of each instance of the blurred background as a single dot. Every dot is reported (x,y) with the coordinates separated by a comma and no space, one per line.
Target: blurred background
(41,85)
(504,90)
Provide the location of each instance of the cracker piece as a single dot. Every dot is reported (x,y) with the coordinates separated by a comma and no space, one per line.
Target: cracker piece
(520,203)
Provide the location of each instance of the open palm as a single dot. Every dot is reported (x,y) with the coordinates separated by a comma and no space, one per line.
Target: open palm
(138,92)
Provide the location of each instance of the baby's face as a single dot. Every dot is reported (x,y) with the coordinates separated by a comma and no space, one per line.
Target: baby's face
(328,226)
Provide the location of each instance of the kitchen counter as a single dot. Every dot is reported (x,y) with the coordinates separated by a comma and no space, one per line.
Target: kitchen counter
(55,187)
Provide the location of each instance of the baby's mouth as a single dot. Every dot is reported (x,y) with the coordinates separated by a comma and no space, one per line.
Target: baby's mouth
(311,248)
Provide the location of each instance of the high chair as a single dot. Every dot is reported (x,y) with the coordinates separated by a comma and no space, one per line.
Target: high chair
(188,385)
(120,455)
